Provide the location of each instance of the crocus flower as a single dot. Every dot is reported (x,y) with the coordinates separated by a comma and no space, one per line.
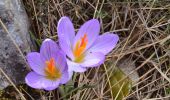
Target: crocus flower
(86,48)
(49,67)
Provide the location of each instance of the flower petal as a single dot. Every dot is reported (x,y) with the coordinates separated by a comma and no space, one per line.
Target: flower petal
(66,35)
(48,50)
(65,77)
(104,43)
(65,30)
(32,79)
(62,65)
(93,59)
(37,81)
(66,48)
(60,59)
(91,28)
(50,85)
(70,73)
(35,62)
(72,66)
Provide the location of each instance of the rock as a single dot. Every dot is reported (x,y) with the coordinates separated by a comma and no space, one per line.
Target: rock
(14,17)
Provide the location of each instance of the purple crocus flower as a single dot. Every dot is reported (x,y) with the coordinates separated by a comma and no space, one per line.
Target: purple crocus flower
(49,67)
(86,48)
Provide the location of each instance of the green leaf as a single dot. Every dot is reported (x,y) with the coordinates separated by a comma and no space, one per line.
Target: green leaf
(120,83)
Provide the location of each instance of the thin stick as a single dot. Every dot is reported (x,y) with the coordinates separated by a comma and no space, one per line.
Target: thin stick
(36,19)
(96,9)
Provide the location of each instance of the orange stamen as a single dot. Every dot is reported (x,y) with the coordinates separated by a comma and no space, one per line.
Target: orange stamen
(80,46)
(83,41)
(50,65)
(51,70)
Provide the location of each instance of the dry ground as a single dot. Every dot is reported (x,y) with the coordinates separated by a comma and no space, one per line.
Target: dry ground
(144,30)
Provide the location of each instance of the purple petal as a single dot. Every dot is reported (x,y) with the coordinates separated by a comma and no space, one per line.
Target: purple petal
(60,59)
(72,66)
(65,30)
(105,43)
(50,84)
(65,77)
(66,35)
(66,48)
(33,80)
(91,28)
(70,74)
(35,62)
(37,81)
(62,65)
(93,59)
(48,50)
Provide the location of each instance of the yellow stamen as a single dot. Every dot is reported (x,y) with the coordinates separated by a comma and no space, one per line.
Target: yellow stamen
(51,71)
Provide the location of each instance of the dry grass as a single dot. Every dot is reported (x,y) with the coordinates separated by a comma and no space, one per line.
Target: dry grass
(143,27)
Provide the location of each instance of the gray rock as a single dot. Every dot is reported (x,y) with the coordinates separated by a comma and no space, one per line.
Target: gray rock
(13,15)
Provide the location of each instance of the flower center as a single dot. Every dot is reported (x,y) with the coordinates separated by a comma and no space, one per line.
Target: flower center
(79,48)
(51,71)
